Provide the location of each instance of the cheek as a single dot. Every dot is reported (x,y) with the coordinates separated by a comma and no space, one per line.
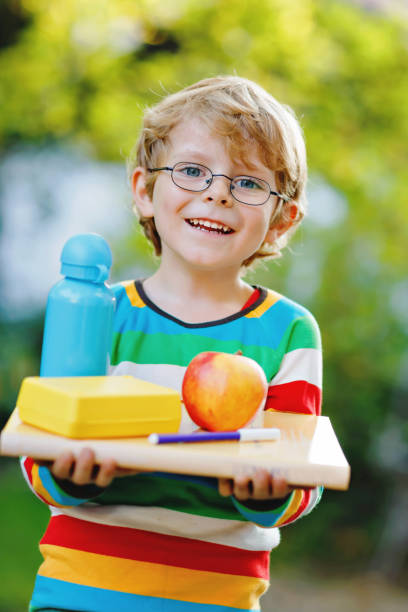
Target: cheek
(268,223)
(258,226)
(168,204)
(259,222)
(168,197)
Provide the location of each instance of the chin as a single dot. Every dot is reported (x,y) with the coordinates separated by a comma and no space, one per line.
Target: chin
(204,258)
(209,261)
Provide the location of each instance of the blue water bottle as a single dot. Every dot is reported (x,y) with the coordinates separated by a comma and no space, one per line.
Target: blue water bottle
(79,315)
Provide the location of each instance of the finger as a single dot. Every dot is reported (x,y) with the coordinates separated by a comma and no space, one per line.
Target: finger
(225,486)
(106,473)
(84,465)
(62,466)
(243,487)
(280,487)
(261,482)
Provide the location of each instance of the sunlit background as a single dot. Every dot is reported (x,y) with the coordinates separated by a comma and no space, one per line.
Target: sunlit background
(75,77)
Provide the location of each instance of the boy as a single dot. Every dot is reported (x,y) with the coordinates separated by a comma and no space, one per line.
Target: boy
(218,181)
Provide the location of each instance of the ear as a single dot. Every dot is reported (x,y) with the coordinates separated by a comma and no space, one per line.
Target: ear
(282,227)
(140,196)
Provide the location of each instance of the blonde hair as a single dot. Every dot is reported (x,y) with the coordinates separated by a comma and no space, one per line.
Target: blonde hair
(242,112)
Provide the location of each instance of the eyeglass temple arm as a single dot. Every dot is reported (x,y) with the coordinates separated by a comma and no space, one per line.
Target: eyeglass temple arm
(157,169)
(280,195)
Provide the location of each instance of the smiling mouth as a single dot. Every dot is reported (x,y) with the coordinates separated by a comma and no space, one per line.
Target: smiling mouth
(210,226)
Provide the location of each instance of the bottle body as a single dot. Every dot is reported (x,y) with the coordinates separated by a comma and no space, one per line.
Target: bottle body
(78,329)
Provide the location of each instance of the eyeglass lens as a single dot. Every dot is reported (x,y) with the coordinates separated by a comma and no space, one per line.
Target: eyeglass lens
(245,189)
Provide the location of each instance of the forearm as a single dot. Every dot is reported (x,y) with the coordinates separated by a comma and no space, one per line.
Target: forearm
(54,491)
(281,511)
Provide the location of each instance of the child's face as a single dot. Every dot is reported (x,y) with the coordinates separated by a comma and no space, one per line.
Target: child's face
(177,211)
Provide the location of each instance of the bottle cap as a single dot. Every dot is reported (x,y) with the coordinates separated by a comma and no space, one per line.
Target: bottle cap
(86,257)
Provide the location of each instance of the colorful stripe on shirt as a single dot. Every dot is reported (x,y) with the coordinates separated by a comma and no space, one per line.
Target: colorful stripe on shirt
(100,599)
(122,559)
(158,541)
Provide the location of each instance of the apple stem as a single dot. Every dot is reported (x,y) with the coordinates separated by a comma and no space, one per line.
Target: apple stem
(239,352)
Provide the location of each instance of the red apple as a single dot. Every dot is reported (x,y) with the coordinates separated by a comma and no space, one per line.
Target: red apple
(223,391)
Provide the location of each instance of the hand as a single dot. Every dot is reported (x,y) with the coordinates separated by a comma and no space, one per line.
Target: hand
(254,484)
(84,470)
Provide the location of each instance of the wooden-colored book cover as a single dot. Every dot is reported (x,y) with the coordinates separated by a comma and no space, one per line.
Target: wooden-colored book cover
(307,454)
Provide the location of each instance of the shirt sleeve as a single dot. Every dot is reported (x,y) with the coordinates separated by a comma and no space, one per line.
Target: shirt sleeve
(52,491)
(280,512)
(296,388)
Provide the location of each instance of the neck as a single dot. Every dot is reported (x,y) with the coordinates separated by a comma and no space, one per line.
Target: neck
(197,295)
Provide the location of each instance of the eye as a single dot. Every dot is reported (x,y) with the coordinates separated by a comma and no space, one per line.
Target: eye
(247,182)
(191,171)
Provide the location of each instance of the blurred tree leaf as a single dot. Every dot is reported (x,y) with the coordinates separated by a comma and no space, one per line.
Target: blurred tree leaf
(82,72)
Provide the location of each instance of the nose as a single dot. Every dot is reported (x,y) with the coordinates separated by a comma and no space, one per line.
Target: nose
(219,191)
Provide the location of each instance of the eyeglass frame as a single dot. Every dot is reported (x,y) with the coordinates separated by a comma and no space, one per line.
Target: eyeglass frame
(271,192)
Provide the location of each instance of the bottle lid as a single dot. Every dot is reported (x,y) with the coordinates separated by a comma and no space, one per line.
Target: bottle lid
(86,257)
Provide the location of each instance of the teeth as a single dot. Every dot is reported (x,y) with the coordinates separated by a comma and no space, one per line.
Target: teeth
(211,224)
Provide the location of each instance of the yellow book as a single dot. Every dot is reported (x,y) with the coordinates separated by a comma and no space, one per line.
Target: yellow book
(99,406)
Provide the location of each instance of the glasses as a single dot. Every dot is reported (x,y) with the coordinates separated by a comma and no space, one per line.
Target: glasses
(196,177)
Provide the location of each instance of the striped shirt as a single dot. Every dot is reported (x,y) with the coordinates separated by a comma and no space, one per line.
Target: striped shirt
(162,542)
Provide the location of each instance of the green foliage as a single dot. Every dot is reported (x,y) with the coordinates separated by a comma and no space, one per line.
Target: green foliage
(23,521)
(20,349)
(82,72)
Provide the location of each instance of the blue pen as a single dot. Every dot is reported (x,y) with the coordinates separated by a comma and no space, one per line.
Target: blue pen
(242,435)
